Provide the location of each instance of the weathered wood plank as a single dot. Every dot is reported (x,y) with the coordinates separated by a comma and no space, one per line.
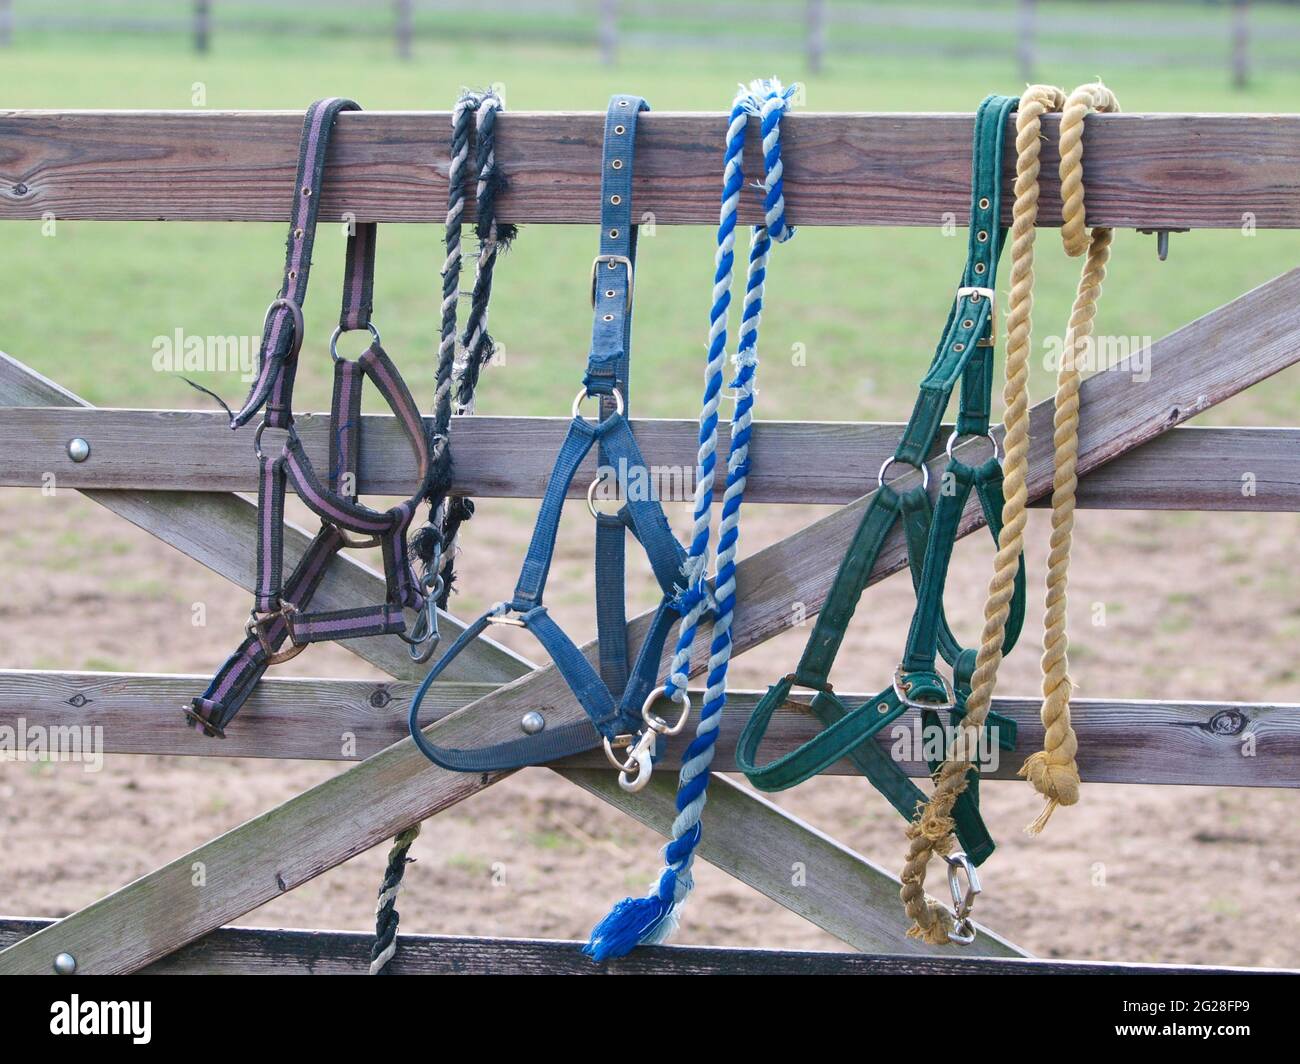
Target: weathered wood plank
(656,803)
(277,951)
(220,532)
(1190,371)
(1220,744)
(511,457)
(1143,170)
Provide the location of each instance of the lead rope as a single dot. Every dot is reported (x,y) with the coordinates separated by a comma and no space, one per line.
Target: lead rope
(1053,770)
(435,542)
(932,831)
(644,921)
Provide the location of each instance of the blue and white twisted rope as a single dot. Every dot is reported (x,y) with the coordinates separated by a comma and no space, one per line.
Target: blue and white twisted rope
(640,921)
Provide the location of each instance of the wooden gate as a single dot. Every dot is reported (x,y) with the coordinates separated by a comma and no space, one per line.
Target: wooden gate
(900,169)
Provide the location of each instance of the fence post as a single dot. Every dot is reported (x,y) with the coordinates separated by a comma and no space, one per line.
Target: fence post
(6,23)
(1240,43)
(815,13)
(202,25)
(403,28)
(607,32)
(1025,25)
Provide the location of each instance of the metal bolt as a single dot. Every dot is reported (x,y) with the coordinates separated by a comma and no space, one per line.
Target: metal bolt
(532,722)
(65,964)
(78,449)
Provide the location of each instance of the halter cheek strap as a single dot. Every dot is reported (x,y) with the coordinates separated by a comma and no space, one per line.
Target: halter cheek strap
(963,355)
(280,608)
(613,696)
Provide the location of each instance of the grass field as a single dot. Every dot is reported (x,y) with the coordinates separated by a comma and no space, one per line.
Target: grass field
(87,303)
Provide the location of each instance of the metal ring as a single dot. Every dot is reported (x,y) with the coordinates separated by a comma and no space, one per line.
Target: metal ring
(997,444)
(618,401)
(657,723)
(292,436)
(591,497)
(298,327)
(925,472)
(339,330)
(950,696)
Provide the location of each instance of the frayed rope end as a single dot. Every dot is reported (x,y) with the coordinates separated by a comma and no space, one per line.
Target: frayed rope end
(630,923)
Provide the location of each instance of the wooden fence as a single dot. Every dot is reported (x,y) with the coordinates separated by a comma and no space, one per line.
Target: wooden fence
(1212,32)
(896,170)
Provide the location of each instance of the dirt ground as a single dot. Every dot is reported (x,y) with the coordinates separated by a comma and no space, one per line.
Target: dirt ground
(1196,606)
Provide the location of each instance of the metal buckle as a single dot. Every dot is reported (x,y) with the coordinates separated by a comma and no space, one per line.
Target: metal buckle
(295,312)
(901,690)
(254,628)
(992,297)
(613,260)
(963,898)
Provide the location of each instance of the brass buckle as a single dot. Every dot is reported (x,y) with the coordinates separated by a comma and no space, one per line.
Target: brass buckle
(612,260)
(992,297)
(254,628)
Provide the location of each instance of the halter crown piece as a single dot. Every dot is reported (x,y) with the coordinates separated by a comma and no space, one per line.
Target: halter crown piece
(636,921)
(280,608)
(964,355)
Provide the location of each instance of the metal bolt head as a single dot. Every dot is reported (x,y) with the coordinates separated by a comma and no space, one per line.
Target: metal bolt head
(78,449)
(532,722)
(65,964)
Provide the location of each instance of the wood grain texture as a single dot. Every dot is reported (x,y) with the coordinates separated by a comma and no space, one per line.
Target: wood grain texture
(1142,170)
(1190,371)
(1219,744)
(511,457)
(277,951)
(220,532)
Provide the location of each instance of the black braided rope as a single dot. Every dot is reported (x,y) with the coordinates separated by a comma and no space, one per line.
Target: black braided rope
(386,915)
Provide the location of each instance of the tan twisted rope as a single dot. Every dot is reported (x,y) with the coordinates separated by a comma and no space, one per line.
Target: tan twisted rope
(931,832)
(1053,770)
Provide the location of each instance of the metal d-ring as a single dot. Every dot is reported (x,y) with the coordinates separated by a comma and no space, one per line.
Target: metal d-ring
(925,471)
(901,687)
(963,898)
(998,453)
(262,427)
(657,723)
(591,494)
(339,331)
(583,394)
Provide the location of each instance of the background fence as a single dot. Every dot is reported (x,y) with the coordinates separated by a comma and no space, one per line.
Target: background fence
(1234,35)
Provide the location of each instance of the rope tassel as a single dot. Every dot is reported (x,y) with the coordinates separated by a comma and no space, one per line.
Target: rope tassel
(648,920)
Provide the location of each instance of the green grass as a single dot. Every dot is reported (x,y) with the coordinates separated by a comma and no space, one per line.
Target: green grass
(86,304)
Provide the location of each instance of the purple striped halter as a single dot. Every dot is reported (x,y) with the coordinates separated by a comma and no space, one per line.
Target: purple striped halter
(280,611)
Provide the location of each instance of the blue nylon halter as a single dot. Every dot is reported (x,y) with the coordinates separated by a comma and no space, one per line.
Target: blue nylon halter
(612,698)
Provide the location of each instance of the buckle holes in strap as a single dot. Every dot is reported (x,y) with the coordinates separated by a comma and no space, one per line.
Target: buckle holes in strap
(608,317)
(297,234)
(982,235)
(617,164)
(613,234)
(616,200)
(925,471)
(959,348)
(968,323)
(979,267)
(306,191)
(984,203)
(620,130)
(610,293)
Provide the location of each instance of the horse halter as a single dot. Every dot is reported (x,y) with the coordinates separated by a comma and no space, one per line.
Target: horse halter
(281,608)
(930,530)
(613,698)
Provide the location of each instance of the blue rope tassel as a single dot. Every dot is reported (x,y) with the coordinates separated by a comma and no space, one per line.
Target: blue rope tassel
(640,921)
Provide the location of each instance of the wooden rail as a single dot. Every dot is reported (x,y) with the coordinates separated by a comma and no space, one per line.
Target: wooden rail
(1220,744)
(1142,170)
(273,951)
(511,457)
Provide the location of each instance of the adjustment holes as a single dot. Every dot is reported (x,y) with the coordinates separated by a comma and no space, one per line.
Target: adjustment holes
(617,164)
(982,236)
(984,203)
(620,130)
(613,234)
(293,275)
(609,317)
(959,348)
(979,267)
(610,293)
(616,200)
(297,234)
(969,323)
(306,190)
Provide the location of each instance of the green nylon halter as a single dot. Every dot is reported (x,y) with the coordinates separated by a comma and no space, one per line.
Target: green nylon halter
(965,354)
